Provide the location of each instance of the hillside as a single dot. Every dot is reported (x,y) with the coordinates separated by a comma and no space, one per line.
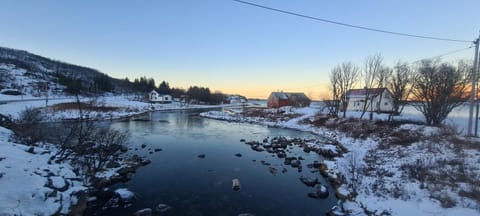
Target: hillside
(32,74)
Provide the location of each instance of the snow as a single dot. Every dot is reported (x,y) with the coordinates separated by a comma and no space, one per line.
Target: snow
(124,193)
(58,182)
(121,106)
(25,176)
(412,198)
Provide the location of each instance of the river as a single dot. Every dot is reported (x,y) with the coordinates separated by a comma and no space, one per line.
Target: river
(203,186)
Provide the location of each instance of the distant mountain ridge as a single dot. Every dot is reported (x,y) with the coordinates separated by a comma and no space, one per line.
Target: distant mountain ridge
(57,76)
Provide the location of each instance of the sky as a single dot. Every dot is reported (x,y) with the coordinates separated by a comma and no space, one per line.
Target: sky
(233,47)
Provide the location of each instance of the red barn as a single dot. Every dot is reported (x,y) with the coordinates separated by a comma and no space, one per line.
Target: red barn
(279,99)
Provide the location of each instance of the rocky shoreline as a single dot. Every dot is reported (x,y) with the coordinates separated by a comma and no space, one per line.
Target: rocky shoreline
(326,148)
(99,196)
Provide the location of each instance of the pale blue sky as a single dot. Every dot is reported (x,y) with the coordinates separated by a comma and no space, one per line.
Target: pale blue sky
(230,46)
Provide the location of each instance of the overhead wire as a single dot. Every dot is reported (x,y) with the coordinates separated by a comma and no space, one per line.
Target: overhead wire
(444,54)
(351,25)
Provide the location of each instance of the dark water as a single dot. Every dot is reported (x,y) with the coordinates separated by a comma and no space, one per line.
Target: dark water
(196,186)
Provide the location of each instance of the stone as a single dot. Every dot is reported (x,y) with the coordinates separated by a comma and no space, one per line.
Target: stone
(296,163)
(31,150)
(201,156)
(163,208)
(257,148)
(238,155)
(264,163)
(235,184)
(272,170)
(125,194)
(145,162)
(143,145)
(144,212)
(321,192)
(309,181)
(157,149)
(281,154)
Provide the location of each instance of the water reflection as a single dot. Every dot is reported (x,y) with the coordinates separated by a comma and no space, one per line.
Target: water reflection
(196,186)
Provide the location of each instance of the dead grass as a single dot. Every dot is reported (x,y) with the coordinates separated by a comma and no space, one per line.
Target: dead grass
(279,115)
(84,106)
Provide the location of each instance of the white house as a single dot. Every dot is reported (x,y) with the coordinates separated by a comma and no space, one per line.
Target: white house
(380,98)
(154,97)
(236,99)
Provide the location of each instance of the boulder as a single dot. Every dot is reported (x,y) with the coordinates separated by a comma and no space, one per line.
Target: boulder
(125,194)
(163,208)
(144,212)
(320,192)
(296,163)
(272,170)
(309,181)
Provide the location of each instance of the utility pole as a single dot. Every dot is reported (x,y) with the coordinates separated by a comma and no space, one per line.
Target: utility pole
(473,89)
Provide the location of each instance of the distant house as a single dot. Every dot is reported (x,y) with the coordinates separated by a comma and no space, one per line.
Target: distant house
(380,98)
(236,99)
(154,97)
(279,99)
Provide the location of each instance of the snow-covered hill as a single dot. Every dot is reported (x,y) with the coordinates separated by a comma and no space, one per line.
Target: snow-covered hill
(35,75)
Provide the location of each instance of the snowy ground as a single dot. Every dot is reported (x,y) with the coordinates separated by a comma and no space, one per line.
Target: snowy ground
(429,176)
(29,185)
(116,106)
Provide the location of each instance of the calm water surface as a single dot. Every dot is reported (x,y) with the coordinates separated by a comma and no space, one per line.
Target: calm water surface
(196,186)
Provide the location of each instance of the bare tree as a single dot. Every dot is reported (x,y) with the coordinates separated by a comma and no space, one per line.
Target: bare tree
(373,65)
(345,76)
(333,105)
(401,86)
(29,128)
(440,87)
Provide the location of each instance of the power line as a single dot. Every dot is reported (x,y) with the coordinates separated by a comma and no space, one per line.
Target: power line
(444,54)
(351,25)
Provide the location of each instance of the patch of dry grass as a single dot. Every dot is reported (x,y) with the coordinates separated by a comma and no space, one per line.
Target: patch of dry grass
(84,106)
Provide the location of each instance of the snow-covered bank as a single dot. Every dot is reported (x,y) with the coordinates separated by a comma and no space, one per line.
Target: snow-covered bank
(29,184)
(403,170)
(104,107)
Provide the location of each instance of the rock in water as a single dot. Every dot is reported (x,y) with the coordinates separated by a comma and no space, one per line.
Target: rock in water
(238,155)
(235,184)
(144,212)
(125,194)
(321,192)
(163,208)
(201,156)
(309,181)
(272,170)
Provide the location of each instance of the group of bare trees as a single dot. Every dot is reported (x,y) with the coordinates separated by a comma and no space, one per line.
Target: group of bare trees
(87,144)
(436,87)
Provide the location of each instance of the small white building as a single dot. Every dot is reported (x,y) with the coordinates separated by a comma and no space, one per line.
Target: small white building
(236,99)
(380,98)
(155,97)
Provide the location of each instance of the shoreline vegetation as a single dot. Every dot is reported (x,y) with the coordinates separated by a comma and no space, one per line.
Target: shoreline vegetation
(383,167)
